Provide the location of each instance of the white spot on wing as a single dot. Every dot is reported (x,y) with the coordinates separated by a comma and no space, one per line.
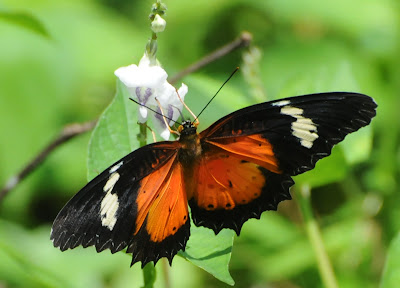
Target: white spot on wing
(292,111)
(303,128)
(281,103)
(111,182)
(109,207)
(109,204)
(116,167)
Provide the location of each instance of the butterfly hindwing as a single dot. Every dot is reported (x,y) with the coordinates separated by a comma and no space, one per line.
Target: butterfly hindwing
(229,190)
(106,212)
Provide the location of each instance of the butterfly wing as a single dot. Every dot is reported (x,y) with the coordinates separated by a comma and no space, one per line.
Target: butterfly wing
(250,154)
(162,224)
(300,130)
(229,190)
(138,202)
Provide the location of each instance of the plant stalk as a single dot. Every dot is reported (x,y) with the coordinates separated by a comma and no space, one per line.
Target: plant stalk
(314,235)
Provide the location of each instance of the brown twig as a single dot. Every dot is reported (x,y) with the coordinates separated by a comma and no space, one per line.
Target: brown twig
(243,41)
(68,132)
(72,130)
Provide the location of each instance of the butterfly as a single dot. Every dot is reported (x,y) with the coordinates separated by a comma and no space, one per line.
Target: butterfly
(234,170)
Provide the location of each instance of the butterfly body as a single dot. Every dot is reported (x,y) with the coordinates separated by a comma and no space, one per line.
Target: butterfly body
(190,146)
(235,170)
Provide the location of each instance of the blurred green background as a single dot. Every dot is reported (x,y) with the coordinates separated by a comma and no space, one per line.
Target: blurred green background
(64,74)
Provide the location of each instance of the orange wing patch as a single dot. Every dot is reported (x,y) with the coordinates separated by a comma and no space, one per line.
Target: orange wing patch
(162,202)
(162,225)
(252,148)
(169,211)
(228,189)
(224,181)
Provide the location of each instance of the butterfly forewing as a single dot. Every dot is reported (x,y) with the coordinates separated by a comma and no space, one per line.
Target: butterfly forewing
(301,129)
(111,211)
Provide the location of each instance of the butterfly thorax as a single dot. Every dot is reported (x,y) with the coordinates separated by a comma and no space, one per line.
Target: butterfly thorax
(190,144)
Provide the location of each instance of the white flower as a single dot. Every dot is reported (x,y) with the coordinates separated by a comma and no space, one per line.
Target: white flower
(145,83)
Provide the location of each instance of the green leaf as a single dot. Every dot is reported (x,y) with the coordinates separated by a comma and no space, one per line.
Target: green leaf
(26,21)
(115,134)
(391,272)
(210,252)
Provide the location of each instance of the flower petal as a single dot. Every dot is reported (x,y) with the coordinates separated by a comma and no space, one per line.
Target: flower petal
(165,134)
(143,114)
(159,126)
(165,94)
(146,83)
(183,91)
(134,76)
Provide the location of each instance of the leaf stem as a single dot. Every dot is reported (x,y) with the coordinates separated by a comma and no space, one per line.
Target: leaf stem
(315,238)
(243,41)
(165,268)
(149,275)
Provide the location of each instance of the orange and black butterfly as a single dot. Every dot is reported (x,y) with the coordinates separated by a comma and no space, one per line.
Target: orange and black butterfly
(236,169)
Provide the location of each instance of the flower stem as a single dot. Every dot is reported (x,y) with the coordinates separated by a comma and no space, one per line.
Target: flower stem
(315,238)
(142,136)
(149,271)
(158,25)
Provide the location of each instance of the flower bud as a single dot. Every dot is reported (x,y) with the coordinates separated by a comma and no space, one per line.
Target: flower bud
(158,24)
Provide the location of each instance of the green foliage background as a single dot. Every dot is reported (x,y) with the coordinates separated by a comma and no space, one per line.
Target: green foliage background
(57,60)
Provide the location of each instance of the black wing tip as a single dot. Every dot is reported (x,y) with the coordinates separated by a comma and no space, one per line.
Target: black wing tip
(358,98)
(364,104)
(350,112)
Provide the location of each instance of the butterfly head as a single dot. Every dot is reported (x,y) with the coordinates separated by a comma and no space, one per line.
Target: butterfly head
(187,128)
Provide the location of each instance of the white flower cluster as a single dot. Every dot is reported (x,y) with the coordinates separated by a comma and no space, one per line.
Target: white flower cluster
(147,83)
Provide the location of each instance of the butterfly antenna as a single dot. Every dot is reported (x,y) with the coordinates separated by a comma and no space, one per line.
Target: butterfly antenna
(226,81)
(165,119)
(155,111)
